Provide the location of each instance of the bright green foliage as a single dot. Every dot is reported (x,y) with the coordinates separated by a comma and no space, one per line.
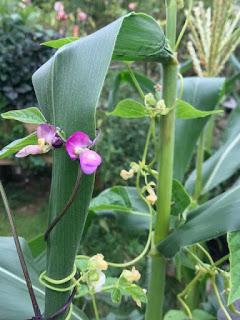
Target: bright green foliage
(17,145)
(206,222)
(30,115)
(59,42)
(225,161)
(234,248)
(187,111)
(129,109)
(202,93)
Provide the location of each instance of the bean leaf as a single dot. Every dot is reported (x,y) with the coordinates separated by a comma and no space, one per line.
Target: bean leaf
(185,110)
(29,115)
(129,109)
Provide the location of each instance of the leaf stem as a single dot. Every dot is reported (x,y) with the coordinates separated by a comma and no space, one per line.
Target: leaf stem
(95,307)
(219,299)
(36,308)
(134,79)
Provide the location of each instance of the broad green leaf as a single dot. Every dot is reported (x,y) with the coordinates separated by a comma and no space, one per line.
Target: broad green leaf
(68,87)
(234,248)
(37,245)
(180,198)
(129,109)
(210,220)
(58,43)
(225,161)
(202,315)
(29,115)
(125,204)
(15,302)
(135,292)
(175,315)
(185,110)
(17,145)
(203,93)
(123,77)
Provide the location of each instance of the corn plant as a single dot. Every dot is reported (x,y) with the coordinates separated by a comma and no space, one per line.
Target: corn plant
(68,87)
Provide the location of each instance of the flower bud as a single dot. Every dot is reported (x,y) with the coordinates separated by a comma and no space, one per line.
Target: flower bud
(152,198)
(161,107)
(127,174)
(97,262)
(150,100)
(131,276)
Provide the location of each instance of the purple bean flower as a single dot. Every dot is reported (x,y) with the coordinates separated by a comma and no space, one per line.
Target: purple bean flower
(77,148)
(47,139)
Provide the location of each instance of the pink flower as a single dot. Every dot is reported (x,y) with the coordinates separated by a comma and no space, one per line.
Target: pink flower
(58,6)
(61,16)
(77,148)
(47,139)
(132,6)
(81,15)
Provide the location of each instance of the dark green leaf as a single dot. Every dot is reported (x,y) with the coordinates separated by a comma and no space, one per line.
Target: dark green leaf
(203,93)
(185,110)
(29,115)
(129,109)
(58,43)
(37,245)
(131,210)
(17,145)
(202,315)
(223,163)
(175,315)
(210,220)
(180,198)
(234,248)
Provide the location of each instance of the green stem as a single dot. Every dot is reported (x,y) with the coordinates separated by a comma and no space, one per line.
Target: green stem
(219,299)
(199,165)
(139,89)
(95,307)
(165,175)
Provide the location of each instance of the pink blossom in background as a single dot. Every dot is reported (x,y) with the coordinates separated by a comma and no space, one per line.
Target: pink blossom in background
(61,16)
(77,148)
(132,6)
(81,15)
(58,6)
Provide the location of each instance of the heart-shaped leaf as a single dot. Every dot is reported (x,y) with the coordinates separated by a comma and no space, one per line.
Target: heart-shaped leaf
(29,115)
(185,110)
(129,109)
